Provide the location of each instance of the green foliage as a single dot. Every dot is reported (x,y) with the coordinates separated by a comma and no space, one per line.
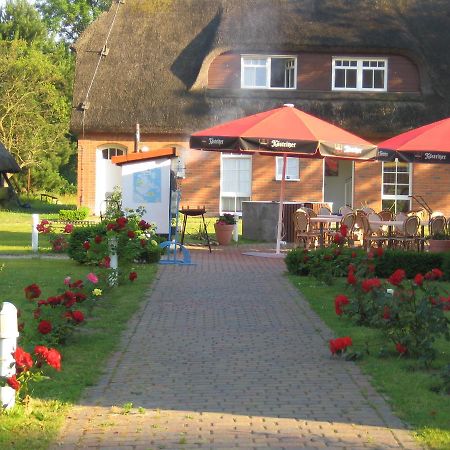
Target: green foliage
(20,20)
(77,214)
(69,18)
(410,261)
(227,219)
(78,236)
(34,111)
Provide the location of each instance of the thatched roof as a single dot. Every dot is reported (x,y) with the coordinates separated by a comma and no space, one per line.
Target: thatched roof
(159,52)
(7,162)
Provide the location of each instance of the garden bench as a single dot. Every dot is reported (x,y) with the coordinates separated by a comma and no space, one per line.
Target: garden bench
(49,198)
(60,224)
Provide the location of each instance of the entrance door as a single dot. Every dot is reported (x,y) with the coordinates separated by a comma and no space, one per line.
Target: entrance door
(338,183)
(107,176)
(235,182)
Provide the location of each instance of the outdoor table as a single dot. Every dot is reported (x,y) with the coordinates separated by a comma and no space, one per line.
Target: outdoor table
(331,218)
(398,223)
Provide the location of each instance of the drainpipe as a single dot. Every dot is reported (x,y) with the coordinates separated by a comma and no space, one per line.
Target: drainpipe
(137,138)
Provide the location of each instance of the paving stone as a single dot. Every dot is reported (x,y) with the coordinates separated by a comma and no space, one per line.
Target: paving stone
(226,354)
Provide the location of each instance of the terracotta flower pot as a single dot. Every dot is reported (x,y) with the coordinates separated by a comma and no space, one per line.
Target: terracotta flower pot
(439,245)
(224,233)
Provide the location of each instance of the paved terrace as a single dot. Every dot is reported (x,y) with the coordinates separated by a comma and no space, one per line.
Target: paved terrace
(225,354)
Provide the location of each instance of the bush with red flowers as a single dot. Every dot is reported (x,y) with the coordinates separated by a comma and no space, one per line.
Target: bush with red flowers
(30,368)
(339,346)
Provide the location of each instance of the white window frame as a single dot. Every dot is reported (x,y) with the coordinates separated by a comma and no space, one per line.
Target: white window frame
(223,193)
(268,64)
(109,148)
(292,173)
(359,73)
(397,197)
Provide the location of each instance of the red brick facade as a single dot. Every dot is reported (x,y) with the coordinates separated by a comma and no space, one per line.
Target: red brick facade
(202,183)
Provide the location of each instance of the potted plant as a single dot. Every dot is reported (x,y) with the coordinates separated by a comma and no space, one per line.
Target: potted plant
(439,242)
(224,228)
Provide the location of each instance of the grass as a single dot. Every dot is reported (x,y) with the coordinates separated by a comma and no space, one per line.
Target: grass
(403,381)
(37,426)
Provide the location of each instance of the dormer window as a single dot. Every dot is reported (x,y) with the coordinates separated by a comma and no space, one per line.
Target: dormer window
(359,74)
(268,72)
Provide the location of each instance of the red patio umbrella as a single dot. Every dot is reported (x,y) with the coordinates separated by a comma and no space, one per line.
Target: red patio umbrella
(427,144)
(284,131)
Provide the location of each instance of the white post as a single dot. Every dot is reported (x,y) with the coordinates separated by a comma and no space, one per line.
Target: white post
(114,263)
(8,341)
(235,228)
(280,208)
(35,234)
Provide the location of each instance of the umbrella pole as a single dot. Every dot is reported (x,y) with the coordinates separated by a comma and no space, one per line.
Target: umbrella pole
(280,208)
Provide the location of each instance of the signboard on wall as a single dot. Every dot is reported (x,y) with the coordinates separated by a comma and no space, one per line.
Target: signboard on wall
(147,184)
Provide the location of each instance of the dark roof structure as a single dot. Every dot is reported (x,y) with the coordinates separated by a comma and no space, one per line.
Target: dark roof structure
(159,51)
(7,162)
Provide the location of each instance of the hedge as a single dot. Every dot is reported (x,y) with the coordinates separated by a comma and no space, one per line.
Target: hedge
(74,214)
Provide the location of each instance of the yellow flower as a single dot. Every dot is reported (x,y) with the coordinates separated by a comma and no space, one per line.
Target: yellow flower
(97,292)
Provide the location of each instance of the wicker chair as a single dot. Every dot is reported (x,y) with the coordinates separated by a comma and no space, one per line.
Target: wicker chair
(368,234)
(303,231)
(409,236)
(386,214)
(437,224)
(345,210)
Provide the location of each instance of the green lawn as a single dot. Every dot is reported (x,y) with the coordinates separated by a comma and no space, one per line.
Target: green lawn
(83,356)
(401,380)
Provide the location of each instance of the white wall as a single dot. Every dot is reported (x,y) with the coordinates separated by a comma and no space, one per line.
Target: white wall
(107,176)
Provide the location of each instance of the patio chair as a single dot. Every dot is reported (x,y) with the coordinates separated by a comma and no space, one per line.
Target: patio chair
(409,236)
(345,210)
(437,224)
(348,220)
(386,214)
(303,230)
(324,211)
(368,235)
(368,210)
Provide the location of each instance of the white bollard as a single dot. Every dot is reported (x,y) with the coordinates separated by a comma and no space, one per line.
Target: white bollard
(114,263)
(235,228)
(35,233)
(8,341)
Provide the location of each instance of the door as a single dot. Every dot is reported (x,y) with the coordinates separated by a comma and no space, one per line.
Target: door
(338,182)
(107,176)
(235,182)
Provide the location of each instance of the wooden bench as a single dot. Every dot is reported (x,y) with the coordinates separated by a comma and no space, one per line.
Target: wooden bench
(49,198)
(60,224)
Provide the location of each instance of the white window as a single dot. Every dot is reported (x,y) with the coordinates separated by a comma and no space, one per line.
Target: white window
(359,74)
(396,186)
(235,182)
(109,152)
(268,72)
(292,168)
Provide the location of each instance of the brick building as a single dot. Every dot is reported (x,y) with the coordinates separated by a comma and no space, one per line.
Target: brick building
(375,68)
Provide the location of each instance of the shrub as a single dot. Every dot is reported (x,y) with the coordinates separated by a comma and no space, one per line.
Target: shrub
(150,255)
(80,235)
(74,214)
(412,262)
(297,261)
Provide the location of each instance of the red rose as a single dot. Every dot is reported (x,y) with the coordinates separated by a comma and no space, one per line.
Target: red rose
(41,350)
(445,303)
(340,301)
(105,262)
(418,279)
(44,327)
(380,252)
(437,273)
(132,276)
(353,254)
(370,283)
(143,225)
(68,228)
(98,239)
(339,345)
(343,230)
(32,291)
(23,359)
(13,382)
(351,279)
(143,242)
(121,222)
(54,359)
(111,226)
(55,300)
(401,348)
(77,316)
(386,313)
(80,297)
(69,299)
(86,245)
(131,234)
(397,277)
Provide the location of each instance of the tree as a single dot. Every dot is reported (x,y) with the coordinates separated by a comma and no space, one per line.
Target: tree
(35,110)
(21,20)
(69,18)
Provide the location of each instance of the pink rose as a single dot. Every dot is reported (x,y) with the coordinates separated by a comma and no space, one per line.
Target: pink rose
(92,278)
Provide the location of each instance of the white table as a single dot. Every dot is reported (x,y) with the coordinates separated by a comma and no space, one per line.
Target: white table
(397,223)
(331,218)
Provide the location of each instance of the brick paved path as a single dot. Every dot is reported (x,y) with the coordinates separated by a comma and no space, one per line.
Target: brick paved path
(225,354)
